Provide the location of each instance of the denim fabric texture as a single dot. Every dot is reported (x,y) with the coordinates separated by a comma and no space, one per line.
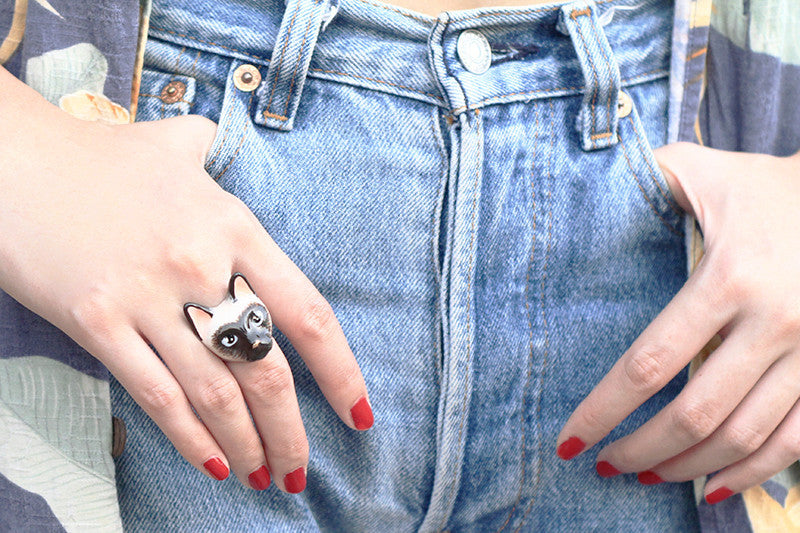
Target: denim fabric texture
(488,259)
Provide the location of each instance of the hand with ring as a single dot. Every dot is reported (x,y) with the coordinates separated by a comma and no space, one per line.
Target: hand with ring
(110,230)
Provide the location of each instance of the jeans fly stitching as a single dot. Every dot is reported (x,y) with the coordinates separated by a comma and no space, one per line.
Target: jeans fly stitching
(377,81)
(546,357)
(283,53)
(644,193)
(435,225)
(178,61)
(241,140)
(465,399)
(642,150)
(297,62)
(530,322)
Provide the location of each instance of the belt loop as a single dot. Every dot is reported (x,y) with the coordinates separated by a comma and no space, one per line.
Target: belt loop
(280,93)
(597,120)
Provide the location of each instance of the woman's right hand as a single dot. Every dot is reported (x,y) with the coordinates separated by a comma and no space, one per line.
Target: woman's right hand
(106,231)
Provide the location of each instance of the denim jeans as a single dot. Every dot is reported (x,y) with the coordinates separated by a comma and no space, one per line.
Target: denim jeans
(488,222)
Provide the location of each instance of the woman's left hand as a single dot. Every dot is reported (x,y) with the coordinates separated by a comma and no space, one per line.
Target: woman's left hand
(739,414)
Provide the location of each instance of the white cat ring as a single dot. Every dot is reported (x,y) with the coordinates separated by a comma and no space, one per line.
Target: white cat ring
(239,328)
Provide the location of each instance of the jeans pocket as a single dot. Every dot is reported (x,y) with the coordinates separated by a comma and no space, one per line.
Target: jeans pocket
(645,174)
(164,95)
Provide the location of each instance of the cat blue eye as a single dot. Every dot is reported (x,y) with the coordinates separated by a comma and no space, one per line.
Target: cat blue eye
(229,340)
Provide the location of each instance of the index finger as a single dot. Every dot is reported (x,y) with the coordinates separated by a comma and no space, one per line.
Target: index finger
(307,319)
(665,347)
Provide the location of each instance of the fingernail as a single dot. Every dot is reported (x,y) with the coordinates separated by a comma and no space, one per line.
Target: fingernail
(606,469)
(570,448)
(295,481)
(648,477)
(362,414)
(217,468)
(718,495)
(259,479)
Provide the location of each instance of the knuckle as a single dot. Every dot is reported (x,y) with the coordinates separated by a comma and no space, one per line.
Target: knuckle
(317,319)
(93,313)
(734,279)
(160,397)
(219,395)
(742,440)
(593,419)
(271,381)
(192,265)
(646,368)
(294,449)
(789,441)
(694,421)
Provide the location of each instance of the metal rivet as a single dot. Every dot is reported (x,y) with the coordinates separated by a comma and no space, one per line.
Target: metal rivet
(246,78)
(173,91)
(624,105)
(474,51)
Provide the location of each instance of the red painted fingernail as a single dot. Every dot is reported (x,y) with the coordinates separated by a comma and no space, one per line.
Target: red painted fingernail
(570,448)
(719,495)
(259,479)
(217,468)
(606,469)
(295,481)
(362,414)
(648,477)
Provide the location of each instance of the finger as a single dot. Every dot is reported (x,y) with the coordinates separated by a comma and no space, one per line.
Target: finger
(712,394)
(215,395)
(781,450)
(307,319)
(745,430)
(155,389)
(268,388)
(667,345)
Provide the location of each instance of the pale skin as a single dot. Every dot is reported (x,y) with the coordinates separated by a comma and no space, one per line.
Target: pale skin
(115,214)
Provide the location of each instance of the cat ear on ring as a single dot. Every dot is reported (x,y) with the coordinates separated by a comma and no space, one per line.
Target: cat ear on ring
(199,316)
(239,286)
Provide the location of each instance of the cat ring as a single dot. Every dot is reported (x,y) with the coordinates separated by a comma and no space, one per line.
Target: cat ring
(239,328)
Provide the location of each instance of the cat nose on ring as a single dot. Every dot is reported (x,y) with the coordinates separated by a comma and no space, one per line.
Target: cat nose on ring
(260,349)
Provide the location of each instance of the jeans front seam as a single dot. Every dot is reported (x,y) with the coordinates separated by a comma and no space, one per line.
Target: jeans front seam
(280,58)
(471,277)
(241,140)
(530,322)
(297,62)
(435,230)
(212,43)
(546,358)
(641,188)
(223,140)
(398,11)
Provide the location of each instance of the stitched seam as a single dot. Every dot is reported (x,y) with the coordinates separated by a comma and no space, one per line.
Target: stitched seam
(178,61)
(521,12)
(267,114)
(644,193)
(642,151)
(465,398)
(283,52)
(434,225)
(241,141)
(297,61)
(389,8)
(597,136)
(530,323)
(546,358)
(376,80)
(598,34)
(224,137)
(575,14)
(193,67)
(696,53)
(158,96)
(594,76)
(183,35)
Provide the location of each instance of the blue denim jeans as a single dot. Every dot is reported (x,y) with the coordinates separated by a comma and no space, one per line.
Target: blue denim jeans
(489,224)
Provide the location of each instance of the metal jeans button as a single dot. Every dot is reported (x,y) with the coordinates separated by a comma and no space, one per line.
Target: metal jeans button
(474,51)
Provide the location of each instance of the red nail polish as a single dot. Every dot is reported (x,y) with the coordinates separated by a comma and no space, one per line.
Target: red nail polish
(719,495)
(217,468)
(295,481)
(606,469)
(362,414)
(570,448)
(648,477)
(259,479)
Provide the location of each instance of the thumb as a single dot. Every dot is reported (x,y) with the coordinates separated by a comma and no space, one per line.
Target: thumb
(189,134)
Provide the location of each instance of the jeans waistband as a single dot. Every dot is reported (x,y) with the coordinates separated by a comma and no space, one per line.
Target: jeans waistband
(385,48)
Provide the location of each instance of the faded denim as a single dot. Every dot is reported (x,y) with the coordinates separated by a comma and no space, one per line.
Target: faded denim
(491,244)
